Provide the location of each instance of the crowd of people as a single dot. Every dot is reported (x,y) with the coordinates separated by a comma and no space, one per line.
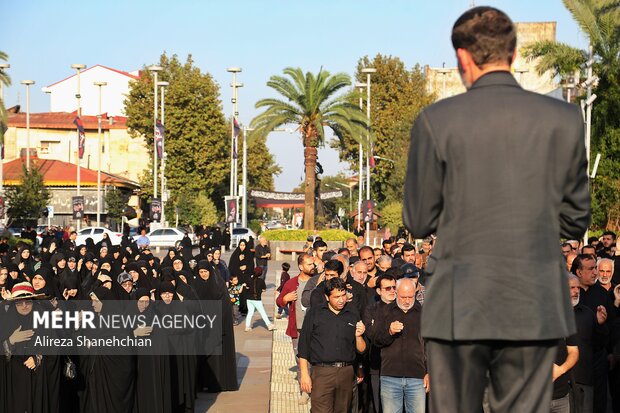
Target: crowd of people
(61,271)
(354,318)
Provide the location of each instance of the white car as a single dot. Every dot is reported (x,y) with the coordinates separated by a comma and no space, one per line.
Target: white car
(240,233)
(167,237)
(96,233)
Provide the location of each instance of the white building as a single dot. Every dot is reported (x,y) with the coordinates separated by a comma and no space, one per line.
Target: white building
(113,95)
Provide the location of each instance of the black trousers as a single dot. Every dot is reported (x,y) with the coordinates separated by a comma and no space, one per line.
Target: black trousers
(520,375)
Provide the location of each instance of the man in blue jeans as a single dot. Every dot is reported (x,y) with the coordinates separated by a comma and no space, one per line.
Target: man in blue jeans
(403,364)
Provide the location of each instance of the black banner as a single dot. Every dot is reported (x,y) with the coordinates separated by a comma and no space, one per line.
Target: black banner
(156,209)
(78,207)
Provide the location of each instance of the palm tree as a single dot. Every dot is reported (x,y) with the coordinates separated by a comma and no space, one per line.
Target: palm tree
(310,103)
(5,80)
(600,21)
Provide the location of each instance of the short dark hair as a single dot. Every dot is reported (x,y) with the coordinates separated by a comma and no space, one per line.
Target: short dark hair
(332,284)
(301,258)
(286,266)
(382,277)
(343,249)
(408,247)
(319,244)
(385,242)
(487,34)
(566,244)
(365,248)
(578,262)
(334,265)
(613,234)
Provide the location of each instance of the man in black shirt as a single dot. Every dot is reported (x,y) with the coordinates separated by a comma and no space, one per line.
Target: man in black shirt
(330,337)
(386,289)
(403,363)
(262,253)
(565,360)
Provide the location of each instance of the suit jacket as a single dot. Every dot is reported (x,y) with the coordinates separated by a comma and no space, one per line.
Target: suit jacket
(499,174)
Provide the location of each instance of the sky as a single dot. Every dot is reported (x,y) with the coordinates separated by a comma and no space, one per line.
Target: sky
(262,37)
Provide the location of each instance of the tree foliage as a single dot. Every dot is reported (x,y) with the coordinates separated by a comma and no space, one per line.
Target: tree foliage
(26,200)
(600,21)
(197,139)
(197,209)
(5,80)
(311,103)
(397,96)
(116,203)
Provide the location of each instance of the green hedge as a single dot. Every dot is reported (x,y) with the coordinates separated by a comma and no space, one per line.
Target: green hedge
(15,240)
(302,235)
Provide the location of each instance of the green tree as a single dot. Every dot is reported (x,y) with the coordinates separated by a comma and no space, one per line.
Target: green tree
(310,103)
(116,203)
(197,136)
(4,80)
(197,210)
(26,200)
(600,21)
(397,96)
(392,216)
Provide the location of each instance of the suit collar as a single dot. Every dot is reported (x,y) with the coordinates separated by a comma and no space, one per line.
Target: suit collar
(498,78)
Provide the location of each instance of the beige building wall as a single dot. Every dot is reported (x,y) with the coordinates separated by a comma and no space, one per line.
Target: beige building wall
(446,82)
(123,155)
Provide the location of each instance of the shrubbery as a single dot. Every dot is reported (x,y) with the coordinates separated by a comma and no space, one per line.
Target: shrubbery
(302,235)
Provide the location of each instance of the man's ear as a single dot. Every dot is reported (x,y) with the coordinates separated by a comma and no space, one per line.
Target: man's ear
(464,58)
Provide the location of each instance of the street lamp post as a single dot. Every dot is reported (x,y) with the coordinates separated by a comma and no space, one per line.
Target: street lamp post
(3,67)
(244,217)
(28,83)
(164,198)
(368,71)
(99,116)
(78,67)
(361,87)
(155,70)
(233,161)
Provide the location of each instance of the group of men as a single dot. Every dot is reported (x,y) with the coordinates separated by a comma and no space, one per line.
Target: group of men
(356,327)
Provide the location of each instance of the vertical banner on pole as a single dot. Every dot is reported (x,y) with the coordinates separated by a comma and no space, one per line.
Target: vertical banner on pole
(231,210)
(156,209)
(368,210)
(159,139)
(78,207)
(81,136)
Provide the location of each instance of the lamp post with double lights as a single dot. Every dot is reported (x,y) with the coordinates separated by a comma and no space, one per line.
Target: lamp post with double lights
(27,83)
(3,67)
(164,197)
(155,70)
(368,71)
(78,67)
(99,116)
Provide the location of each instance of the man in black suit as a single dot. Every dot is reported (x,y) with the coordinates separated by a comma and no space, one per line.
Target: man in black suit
(495,167)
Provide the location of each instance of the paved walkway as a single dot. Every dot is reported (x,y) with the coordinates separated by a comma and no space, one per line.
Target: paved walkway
(265,366)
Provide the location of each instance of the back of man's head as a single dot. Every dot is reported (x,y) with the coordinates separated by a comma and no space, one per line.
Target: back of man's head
(487,34)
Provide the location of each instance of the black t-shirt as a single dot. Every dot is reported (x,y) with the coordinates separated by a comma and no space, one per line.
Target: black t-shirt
(560,385)
(260,251)
(255,286)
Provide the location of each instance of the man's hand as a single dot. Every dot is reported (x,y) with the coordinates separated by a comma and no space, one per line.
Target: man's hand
(292,296)
(601,314)
(30,363)
(427,383)
(143,331)
(305,383)
(20,335)
(359,329)
(396,327)
(557,371)
(359,376)
(4,293)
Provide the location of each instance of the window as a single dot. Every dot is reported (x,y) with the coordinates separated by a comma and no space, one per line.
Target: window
(48,147)
(157,233)
(98,231)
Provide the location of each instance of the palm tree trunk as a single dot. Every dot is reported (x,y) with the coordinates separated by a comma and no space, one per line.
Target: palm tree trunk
(310,157)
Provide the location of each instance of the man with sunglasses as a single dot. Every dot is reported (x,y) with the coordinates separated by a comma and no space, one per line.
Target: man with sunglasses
(386,290)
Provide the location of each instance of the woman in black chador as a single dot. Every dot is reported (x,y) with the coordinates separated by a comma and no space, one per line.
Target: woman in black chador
(241,264)
(153,381)
(220,371)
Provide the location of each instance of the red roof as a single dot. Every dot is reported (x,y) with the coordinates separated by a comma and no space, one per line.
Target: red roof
(60,173)
(64,120)
(105,67)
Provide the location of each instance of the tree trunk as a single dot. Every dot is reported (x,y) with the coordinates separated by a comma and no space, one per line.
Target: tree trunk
(310,157)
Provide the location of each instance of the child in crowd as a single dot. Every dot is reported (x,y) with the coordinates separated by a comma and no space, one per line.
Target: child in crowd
(284,277)
(234,290)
